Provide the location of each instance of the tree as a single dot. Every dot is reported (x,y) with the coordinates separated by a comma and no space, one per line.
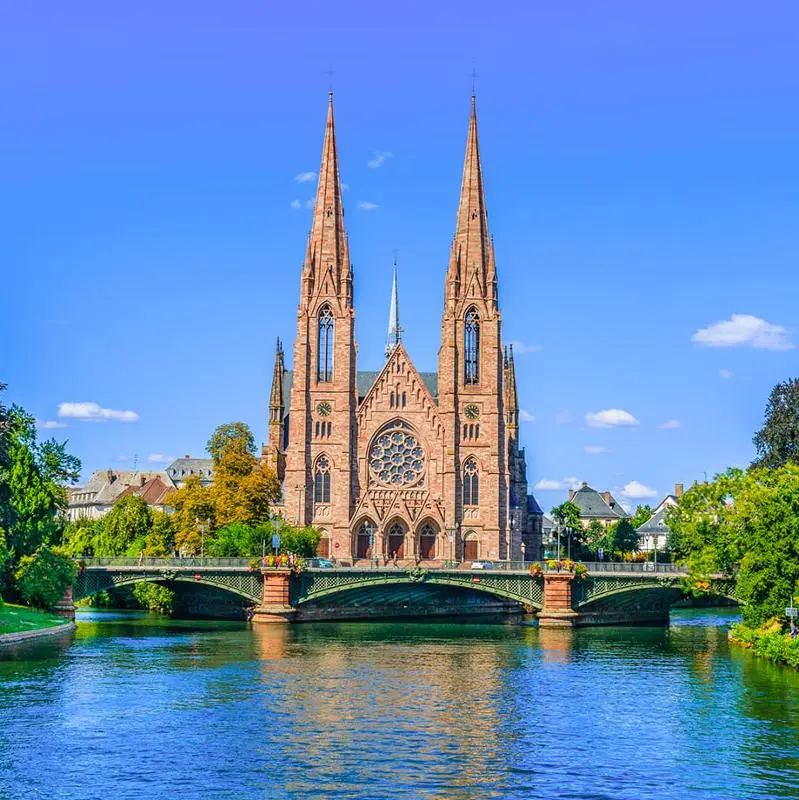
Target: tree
(777,442)
(642,514)
(233,436)
(31,487)
(193,504)
(42,578)
(567,515)
(595,536)
(80,537)
(123,531)
(159,541)
(300,541)
(238,539)
(623,537)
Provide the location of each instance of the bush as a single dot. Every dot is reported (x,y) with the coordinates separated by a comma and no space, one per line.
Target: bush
(42,578)
(155,598)
(768,642)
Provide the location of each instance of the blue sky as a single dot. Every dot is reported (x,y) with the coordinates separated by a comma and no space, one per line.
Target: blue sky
(642,173)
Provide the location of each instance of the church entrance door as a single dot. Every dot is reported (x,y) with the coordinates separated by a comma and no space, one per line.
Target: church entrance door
(470,550)
(396,541)
(323,548)
(362,546)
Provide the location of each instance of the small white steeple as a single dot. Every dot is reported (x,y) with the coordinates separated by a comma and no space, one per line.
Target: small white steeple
(394,330)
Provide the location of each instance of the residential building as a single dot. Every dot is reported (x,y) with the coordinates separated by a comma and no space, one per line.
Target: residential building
(654,533)
(106,486)
(594,505)
(182,468)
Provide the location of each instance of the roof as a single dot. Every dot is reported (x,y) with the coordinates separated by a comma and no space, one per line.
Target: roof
(106,485)
(152,491)
(181,467)
(532,505)
(656,523)
(593,505)
(547,523)
(366,379)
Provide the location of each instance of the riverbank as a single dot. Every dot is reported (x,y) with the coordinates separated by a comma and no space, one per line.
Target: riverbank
(20,624)
(767,642)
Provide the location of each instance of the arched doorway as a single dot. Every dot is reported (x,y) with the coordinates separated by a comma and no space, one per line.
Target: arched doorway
(396,540)
(323,548)
(363,540)
(471,547)
(427,542)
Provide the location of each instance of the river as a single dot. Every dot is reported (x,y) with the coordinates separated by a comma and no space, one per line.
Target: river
(136,706)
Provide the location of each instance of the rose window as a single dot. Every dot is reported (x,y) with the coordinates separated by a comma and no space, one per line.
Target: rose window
(396,457)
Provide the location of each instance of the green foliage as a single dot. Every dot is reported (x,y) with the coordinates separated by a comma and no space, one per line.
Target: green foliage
(641,515)
(623,537)
(124,529)
(42,578)
(777,442)
(596,536)
(239,540)
(300,541)
(155,598)
(159,540)
(80,537)
(744,524)
(768,643)
(32,493)
(231,437)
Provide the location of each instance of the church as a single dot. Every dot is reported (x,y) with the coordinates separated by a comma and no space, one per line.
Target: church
(401,464)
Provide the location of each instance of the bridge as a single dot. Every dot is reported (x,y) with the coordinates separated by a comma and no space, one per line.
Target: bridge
(610,593)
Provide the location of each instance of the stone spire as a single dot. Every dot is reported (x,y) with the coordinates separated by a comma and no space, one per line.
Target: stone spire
(276,405)
(471,267)
(328,248)
(511,394)
(394,330)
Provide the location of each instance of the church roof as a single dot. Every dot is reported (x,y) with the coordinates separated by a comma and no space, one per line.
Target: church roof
(366,379)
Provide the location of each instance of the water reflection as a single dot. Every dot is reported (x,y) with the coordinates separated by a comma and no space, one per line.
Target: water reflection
(156,708)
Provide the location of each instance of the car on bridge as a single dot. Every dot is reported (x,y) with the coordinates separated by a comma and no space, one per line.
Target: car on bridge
(482,565)
(319,563)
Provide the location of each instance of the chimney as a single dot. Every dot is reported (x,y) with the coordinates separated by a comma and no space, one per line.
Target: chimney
(678,489)
(142,479)
(571,495)
(607,498)
(187,456)
(109,475)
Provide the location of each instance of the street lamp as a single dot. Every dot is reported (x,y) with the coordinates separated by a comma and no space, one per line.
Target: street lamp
(370,529)
(203,526)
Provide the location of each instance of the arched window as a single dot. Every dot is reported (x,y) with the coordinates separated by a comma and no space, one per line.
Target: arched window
(471,347)
(326,336)
(471,483)
(321,481)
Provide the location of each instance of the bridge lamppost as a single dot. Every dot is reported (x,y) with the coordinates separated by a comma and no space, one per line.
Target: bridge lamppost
(370,530)
(203,526)
(452,532)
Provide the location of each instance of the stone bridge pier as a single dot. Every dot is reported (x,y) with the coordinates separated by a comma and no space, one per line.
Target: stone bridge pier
(275,605)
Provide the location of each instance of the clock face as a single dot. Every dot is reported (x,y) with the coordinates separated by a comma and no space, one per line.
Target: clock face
(471,411)
(324,408)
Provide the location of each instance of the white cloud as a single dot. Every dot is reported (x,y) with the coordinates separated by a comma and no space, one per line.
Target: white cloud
(378,159)
(726,373)
(49,424)
(563,418)
(594,450)
(310,203)
(159,458)
(92,412)
(367,206)
(545,485)
(669,424)
(637,491)
(304,177)
(522,349)
(744,330)
(295,204)
(526,416)
(610,418)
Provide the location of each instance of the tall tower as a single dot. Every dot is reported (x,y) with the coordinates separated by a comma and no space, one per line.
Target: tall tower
(323,389)
(471,372)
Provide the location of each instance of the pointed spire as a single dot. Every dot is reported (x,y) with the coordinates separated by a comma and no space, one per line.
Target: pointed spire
(394,330)
(276,405)
(327,245)
(511,394)
(472,248)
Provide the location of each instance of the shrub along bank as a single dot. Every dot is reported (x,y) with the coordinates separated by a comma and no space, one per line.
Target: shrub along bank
(768,642)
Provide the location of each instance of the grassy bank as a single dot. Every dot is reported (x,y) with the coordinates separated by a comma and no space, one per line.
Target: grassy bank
(767,642)
(16,619)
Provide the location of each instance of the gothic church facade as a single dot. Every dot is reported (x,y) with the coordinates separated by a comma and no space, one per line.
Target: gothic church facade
(421,466)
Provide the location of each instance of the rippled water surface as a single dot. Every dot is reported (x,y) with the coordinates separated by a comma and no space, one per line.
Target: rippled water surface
(138,707)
